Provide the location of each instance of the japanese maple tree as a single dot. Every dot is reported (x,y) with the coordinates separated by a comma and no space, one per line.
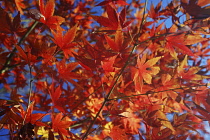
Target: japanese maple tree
(104,70)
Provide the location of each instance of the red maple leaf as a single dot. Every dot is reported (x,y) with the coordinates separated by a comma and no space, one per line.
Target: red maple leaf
(196,8)
(177,41)
(113,21)
(47,11)
(65,41)
(7,25)
(144,71)
(131,121)
(60,124)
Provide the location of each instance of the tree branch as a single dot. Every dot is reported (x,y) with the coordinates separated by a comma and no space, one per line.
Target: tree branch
(9,59)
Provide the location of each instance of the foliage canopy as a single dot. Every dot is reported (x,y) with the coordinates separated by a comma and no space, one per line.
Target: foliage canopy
(69,72)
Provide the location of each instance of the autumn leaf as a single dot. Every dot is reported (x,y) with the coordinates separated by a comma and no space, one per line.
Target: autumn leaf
(144,71)
(107,64)
(131,121)
(10,26)
(189,74)
(115,79)
(193,39)
(116,44)
(47,11)
(66,72)
(113,21)
(60,124)
(196,8)
(154,11)
(177,41)
(164,120)
(94,105)
(55,95)
(33,118)
(28,57)
(65,41)
(56,99)
(118,133)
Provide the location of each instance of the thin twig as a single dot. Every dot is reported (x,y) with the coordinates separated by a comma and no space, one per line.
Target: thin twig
(30,93)
(150,92)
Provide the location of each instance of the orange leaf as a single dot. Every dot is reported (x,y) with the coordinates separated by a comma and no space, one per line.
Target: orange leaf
(70,35)
(193,39)
(47,11)
(107,65)
(64,40)
(65,70)
(178,41)
(165,121)
(111,43)
(20,5)
(131,121)
(61,124)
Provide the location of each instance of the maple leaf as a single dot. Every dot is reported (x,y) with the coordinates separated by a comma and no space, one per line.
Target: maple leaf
(144,71)
(65,41)
(115,132)
(107,65)
(177,41)
(189,74)
(154,12)
(118,44)
(131,121)
(113,21)
(56,100)
(94,105)
(43,52)
(55,94)
(194,39)
(196,8)
(28,57)
(65,72)
(9,26)
(60,124)
(47,11)
(32,118)
(164,120)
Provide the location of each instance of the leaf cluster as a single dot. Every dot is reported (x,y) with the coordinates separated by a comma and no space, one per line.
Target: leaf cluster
(69,72)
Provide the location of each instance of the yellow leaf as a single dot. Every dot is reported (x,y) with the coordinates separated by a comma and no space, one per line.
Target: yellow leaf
(152,61)
(165,78)
(183,64)
(165,121)
(193,39)
(44,133)
(147,78)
